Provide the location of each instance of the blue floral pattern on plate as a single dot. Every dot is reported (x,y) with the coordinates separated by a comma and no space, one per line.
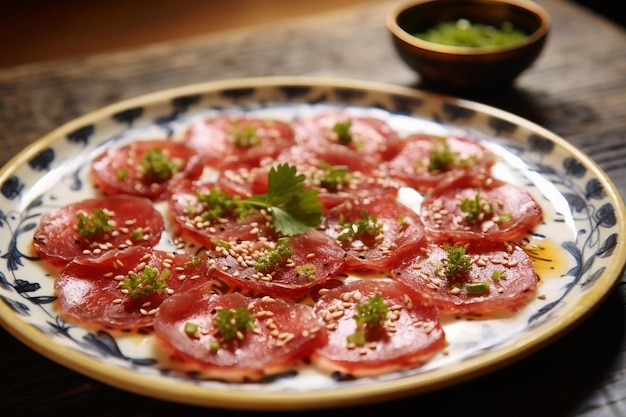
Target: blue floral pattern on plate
(580,237)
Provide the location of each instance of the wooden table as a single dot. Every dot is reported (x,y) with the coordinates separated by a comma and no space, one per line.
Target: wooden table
(577,89)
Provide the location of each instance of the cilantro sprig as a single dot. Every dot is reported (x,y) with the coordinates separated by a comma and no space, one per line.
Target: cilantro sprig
(293,208)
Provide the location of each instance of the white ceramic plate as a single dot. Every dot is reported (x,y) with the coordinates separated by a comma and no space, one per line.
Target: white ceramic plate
(580,260)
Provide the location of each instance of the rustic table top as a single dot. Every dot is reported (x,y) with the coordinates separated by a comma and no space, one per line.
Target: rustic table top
(577,89)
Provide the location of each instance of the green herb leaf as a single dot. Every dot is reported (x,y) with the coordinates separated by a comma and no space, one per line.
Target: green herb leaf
(246,135)
(366,226)
(234,321)
(156,165)
(334,176)
(441,157)
(145,282)
(137,233)
(342,130)
(373,311)
(476,208)
(294,209)
(458,262)
(94,224)
(357,338)
(477,287)
(191,329)
(193,262)
(308,270)
(275,257)
(217,204)
(497,275)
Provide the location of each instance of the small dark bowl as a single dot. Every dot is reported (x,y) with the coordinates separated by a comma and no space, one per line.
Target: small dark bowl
(455,68)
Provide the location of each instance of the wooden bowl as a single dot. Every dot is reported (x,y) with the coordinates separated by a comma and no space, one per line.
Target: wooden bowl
(460,68)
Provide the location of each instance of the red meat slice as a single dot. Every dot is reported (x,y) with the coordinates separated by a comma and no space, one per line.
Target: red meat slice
(495,211)
(398,225)
(417,166)
(187,211)
(134,219)
(88,290)
(410,335)
(500,278)
(369,140)
(244,140)
(315,259)
(120,171)
(284,335)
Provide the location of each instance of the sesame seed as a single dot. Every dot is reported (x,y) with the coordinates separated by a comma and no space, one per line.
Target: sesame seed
(337,314)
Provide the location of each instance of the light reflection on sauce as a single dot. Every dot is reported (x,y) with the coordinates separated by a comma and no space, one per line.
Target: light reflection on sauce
(549,258)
